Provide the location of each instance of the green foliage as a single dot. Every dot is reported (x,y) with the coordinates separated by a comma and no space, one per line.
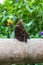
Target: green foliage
(30,11)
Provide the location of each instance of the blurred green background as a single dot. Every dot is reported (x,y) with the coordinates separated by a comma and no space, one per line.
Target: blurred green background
(30,11)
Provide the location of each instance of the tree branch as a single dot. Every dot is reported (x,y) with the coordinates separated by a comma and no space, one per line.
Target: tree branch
(14,51)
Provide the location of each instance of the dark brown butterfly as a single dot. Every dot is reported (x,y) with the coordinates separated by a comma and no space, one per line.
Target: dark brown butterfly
(20,32)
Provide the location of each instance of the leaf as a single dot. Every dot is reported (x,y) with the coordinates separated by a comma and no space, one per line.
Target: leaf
(12,35)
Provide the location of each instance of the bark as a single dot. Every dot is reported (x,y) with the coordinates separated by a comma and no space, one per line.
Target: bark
(14,51)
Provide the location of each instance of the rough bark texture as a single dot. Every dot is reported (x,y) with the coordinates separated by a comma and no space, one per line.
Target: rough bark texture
(14,51)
